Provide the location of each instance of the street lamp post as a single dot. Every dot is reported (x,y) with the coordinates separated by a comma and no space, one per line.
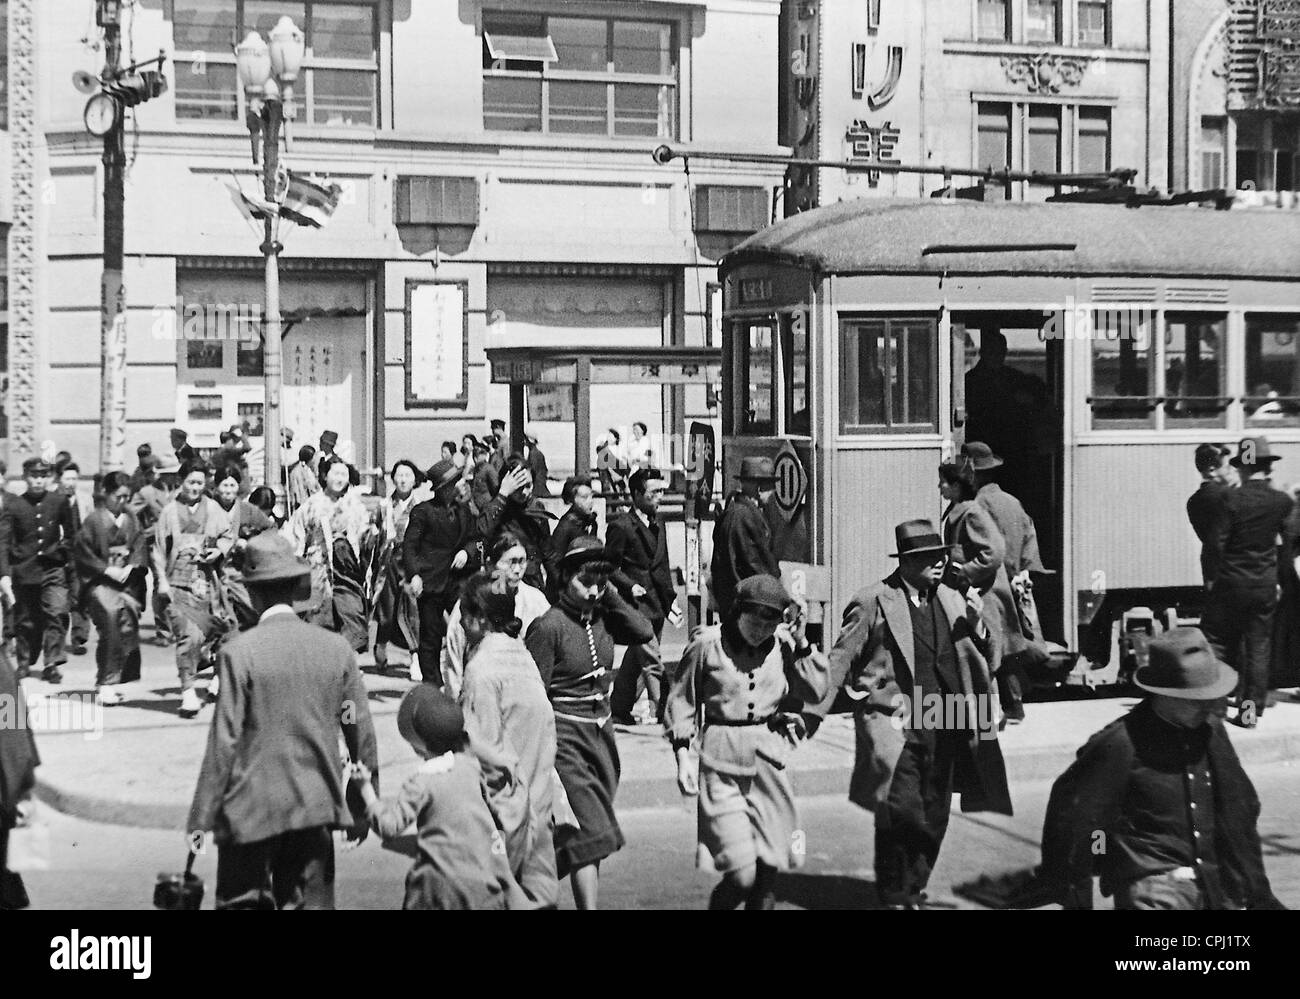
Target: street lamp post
(268,73)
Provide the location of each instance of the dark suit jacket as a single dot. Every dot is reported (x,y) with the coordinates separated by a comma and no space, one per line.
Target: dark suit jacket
(1243,541)
(35,536)
(435,533)
(640,556)
(1092,796)
(288,690)
(1203,508)
(742,547)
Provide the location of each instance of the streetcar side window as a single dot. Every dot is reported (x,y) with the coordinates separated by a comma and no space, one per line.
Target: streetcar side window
(1272,370)
(1195,372)
(757,378)
(888,376)
(1122,391)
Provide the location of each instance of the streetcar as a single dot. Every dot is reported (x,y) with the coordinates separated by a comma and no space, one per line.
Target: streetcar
(1093,346)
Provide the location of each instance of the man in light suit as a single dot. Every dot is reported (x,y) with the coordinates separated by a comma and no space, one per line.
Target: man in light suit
(914,655)
(637,544)
(271,786)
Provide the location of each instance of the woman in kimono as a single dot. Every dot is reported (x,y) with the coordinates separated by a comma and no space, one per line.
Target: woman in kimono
(728,692)
(192,537)
(246,520)
(977,565)
(512,731)
(573,646)
(397,613)
(341,539)
(506,560)
(111,555)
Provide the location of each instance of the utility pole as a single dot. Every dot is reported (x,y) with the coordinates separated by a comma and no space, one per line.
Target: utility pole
(112,416)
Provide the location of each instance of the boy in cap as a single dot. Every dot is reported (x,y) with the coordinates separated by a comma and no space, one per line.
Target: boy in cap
(1241,555)
(460,860)
(36,533)
(1162,792)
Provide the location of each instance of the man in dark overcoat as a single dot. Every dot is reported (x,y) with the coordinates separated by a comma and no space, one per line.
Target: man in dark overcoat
(914,654)
(441,549)
(271,788)
(742,539)
(636,543)
(36,533)
(1218,476)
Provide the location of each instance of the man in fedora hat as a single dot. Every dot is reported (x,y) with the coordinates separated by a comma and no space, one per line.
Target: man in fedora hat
(1241,553)
(36,535)
(742,539)
(914,654)
(271,787)
(1157,802)
(442,548)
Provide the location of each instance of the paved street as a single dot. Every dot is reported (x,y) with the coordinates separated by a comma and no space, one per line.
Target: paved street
(97,866)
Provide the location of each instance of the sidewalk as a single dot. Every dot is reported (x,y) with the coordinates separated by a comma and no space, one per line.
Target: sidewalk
(141,768)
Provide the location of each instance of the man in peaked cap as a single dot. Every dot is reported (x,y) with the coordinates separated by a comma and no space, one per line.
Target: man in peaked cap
(36,532)
(1241,556)
(742,539)
(914,655)
(272,800)
(1163,791)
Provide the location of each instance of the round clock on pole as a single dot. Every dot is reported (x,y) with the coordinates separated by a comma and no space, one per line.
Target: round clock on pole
(101,114)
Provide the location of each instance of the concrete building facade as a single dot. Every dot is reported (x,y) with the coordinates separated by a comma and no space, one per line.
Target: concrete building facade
(496,189)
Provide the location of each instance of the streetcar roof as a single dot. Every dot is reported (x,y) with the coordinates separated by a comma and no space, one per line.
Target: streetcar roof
(891,236)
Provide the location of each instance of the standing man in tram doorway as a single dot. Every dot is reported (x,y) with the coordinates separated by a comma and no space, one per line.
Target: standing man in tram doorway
(1242,548)
(1218,476)
(742,539)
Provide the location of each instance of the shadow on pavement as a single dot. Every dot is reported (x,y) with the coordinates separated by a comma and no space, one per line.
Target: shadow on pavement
(827,891)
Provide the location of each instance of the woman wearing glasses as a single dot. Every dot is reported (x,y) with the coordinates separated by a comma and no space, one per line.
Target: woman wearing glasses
(506,560)
(573,646)
(728,692)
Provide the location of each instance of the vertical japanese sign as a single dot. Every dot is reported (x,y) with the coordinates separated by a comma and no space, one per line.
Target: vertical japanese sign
(801,181)
(437,343)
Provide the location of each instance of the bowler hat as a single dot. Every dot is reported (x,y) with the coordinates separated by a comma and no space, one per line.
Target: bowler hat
(584,549)
(270,558)
(980,456)
(429,720)
(1181,664)
(762,591)
(329,437)
(913,536)
(758,469)
(1254,451)
(442,473)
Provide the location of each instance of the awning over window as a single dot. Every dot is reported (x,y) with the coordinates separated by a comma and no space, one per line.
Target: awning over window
(537,48)
(300,297)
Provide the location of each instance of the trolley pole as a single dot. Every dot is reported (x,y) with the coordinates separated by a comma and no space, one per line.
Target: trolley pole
(112,417)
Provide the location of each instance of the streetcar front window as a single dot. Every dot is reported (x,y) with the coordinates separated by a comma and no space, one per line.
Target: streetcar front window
(758,371)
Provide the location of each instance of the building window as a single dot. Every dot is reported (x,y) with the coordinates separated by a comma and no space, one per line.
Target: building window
(1272,370)
(339,83)
(579,75)
(992,21)
(1267,153)
(888,376)
(1094,140)
(994,131)
(1094,22)
(757,377)
(1043,150)
(1043,21)
(1214,133)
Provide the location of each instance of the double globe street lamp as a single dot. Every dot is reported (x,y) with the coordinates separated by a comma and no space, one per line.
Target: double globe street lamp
(267,74)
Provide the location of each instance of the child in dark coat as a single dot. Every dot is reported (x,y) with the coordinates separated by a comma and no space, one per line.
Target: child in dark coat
(461,859)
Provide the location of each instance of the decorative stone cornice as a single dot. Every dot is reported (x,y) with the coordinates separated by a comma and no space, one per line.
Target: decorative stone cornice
(1046,72)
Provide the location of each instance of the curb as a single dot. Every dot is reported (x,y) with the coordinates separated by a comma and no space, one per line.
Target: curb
(1024,766)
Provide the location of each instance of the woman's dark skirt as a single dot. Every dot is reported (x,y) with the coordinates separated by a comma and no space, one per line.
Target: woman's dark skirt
(587,760)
